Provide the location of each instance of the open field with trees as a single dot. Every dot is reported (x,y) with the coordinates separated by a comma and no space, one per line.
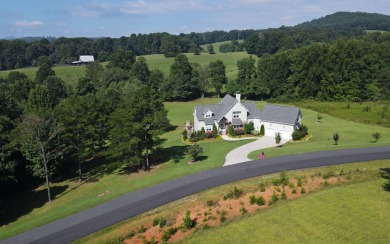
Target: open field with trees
(352,207)
(72,137)
(106,179)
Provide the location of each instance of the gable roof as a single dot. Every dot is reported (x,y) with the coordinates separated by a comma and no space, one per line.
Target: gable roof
(227,102)
(280,114)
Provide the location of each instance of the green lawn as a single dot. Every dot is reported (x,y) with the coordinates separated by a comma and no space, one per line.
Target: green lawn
(352,135)
(372,113)
(110,180)
(70,74)
(356,213)
(72,197)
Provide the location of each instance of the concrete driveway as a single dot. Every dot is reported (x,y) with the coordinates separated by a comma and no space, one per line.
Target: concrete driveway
(240,154)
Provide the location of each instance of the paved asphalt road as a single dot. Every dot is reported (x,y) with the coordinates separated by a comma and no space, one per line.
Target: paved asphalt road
(78,225)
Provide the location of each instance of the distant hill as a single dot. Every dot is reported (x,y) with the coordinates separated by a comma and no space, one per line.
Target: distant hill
(351,20)
(30,38)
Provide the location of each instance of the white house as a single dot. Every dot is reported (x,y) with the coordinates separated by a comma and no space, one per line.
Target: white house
(83,59)
(230,111)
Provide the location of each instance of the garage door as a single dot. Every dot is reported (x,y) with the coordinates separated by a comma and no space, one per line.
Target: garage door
(285,134)
(270,132)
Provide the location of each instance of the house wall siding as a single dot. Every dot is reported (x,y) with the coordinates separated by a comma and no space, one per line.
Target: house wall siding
(237,107)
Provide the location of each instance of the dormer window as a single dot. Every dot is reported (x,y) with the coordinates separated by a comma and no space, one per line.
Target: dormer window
(207,116)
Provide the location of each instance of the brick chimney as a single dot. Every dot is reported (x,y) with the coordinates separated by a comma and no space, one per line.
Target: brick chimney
(238,96)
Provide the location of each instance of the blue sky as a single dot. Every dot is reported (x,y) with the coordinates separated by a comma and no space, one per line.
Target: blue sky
(115,18)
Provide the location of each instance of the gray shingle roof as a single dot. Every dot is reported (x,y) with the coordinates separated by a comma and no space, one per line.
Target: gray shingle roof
(252,110)
(272,113)
(237,122)
(280,114)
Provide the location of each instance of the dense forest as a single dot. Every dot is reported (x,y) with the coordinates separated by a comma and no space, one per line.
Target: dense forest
(48,130)
(27,52)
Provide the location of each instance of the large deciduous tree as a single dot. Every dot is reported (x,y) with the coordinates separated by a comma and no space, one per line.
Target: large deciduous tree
(123,59)
(136,122)
(37,134)
(217,74)
(180,84)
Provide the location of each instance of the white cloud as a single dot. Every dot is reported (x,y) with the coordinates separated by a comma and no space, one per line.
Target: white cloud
(27,24)
(153,6)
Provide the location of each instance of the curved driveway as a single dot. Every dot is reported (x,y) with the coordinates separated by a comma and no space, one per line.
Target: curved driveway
(78,225)
(240,154)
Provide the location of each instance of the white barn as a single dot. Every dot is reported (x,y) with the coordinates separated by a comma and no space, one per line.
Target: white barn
(230,111)
(83,59)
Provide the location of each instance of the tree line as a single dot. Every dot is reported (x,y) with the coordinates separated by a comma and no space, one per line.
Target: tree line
(21,53)
(354,69)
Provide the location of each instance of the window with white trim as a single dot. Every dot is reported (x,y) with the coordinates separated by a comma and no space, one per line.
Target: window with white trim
(236,114)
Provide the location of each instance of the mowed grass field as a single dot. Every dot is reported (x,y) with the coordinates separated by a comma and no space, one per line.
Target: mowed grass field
(112,180)
(354,213)
(352,135)
(70,74)
(308,219)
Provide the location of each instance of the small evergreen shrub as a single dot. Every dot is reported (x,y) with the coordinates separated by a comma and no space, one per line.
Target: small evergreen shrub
(248,128)
(235,193)
(243,210)
(294,191)
(184,135)
(283,178)
(299,182)
(329,175)
(206,227)
(188,223)
(210,203)
(303,190)
(141,229)
(274,199)
(222,217)
(262,187)
(160,221)
(168,233)
(262,130)
(283,196)
(129,234)
(260,201)
(252,199)
(231,130)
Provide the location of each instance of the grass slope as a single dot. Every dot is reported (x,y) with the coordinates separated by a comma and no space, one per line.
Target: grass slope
(357,213)
(112,180)
(352,135)
(70,74)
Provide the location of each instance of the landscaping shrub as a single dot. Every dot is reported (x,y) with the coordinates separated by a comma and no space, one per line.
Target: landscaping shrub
(274,199)
(209,134)
(188,223)
(243,210)
(184,134)
(201,134)
(168,233)
(336,138)
(283,179)
(276,182)
(262,186)
(159,221)
(260,201)
(141,229)
(238,132)
(284,195)
(215,131)
(194,151)
(262,130)
(252,199)
(299,182)
(298,134)
(303,190)
(235,193)
(194,137)
(329,175)
(222,217)
(376,136)
(293,191)
(231,130)
(255,132)
(278,138)
(248,128)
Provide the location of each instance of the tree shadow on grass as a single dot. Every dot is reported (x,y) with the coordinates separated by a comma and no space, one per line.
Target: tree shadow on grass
(170,128)
(22,204)
(177,153)
(385,173)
